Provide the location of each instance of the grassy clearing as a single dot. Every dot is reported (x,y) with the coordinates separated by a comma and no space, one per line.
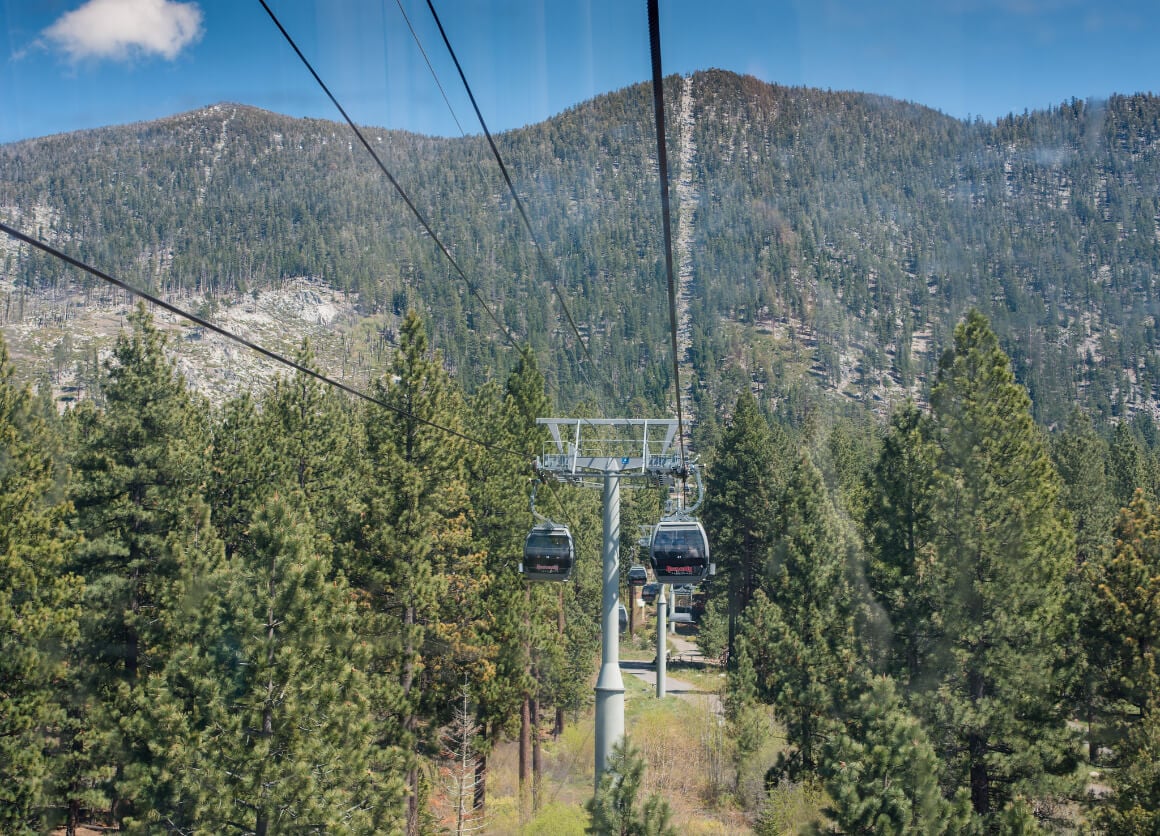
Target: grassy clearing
(691,757)
(689,764)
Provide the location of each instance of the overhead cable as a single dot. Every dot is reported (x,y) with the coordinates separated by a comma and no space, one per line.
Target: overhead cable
(654,37)
(398,188)
(548,268)
(265,352)
(434,75)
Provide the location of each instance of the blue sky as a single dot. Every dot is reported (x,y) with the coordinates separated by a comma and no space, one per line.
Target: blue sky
(72,64)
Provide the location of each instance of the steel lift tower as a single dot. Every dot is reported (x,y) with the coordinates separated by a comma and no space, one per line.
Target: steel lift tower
(603,451)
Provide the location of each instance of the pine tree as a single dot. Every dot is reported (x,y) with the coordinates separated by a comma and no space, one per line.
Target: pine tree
(140,464)
(799,628)
(614,808)
(1124,614)
(1080,457)
(742,487)
(261,721)
(1127,465)
(525,621)
(140,468)
(311,440)
(417,562)
(1134,806)
(39,606)
(993,690)
(898,533)
(242,465)
(882,772)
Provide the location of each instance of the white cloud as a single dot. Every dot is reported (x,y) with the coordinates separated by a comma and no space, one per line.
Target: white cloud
(123,29)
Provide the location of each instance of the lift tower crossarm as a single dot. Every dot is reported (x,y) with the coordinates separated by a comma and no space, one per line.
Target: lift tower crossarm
(595,442)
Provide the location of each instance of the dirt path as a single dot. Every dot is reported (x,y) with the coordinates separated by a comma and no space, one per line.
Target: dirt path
(687,652)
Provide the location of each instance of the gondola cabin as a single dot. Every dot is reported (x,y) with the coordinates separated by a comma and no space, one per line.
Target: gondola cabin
(679,551)
(548,553)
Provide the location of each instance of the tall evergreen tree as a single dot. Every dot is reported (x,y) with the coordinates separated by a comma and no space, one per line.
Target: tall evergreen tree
(141,463)
(993,689)
(799,628)
(1081,457)
(881,773)
(1128,465)
(525,621)
(416,558)
(242,469)
(742,491)
(39,606)
(261,721)
(1124,626)
(1124,615)
(898,532)
(311,441)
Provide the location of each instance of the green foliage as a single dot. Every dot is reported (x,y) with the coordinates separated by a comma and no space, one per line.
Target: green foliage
(898,533)
(742,489)
(1134,806)
(264,715)
(1128,465)
(1081,458)
(1124,614)
(413,554)
(140,466)
(799,629)
(614,809)
(992,690)
(559,820)
(39,606)
(790,807)
(140,471)
(882,773)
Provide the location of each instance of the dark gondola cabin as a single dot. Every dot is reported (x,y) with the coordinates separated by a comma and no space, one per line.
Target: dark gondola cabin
(548,553)
(679,551)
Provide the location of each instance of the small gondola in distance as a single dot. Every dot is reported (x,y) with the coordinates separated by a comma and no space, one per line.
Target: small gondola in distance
(549,554)
(679,551)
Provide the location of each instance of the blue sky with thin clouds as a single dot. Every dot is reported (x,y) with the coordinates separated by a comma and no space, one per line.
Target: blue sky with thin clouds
(72,64)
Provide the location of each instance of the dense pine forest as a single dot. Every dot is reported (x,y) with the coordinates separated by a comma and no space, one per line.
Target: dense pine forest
(922,362)
(262,616)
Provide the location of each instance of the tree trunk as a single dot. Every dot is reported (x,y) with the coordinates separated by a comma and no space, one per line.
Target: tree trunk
(413,802)
(980,780)
(479,803)
(977,750)
(525,741)
(525,707)
(409,722)
(537,762)
(558,729)
(262,825)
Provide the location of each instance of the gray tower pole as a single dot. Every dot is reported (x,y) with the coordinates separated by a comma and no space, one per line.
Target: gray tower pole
(662,644)
(610,685)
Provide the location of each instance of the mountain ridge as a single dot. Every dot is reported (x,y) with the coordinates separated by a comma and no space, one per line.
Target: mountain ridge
(831,239)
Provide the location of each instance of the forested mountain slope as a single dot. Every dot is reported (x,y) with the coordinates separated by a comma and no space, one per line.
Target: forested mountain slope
(830,239)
